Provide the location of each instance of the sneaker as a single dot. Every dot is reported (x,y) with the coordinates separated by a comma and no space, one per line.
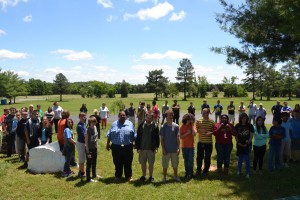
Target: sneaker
(164,180)
(97,176)
(91,181)
(177,179)
(74,165)
(151,179)
(143,178)
(25,165)
(65,174)
(81,174)
(248,176)
(130,179)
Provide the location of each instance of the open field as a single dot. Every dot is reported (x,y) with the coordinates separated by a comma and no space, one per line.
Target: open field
(20,184)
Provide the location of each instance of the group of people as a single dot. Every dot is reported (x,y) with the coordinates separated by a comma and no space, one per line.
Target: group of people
(34,128)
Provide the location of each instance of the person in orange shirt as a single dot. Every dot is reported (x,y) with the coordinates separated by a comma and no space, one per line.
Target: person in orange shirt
(187,133)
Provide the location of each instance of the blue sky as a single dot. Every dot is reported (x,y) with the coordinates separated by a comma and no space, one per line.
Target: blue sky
(112,40)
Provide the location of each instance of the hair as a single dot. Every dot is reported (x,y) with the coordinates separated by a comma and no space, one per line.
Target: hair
(187,117)
(50,109)
(92,119)
(83,105)
(95,111)
(224,115)
(81,114)
(169,112)
(148,105)
(297,107)
(277,119)
(153,102)
(263,127)
(35,111)
(67,126)
(242,115)
(65,114)
(205,110)
(47,125)
(39,105)
(55,103)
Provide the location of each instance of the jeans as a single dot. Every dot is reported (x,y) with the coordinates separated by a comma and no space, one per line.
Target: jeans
(274,152)
(204,151)
(176,119)
(223,154)
(188,156)
(122,158)
(259,153)
(241,158)
(91,163)
(10,144)
(69,150)
(252,117)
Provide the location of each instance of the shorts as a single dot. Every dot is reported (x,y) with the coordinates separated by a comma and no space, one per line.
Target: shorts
(146,155)
(286,148)
(174,160)
(231,118)
(81,152)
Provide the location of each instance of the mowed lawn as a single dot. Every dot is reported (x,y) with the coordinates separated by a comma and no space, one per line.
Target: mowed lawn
(20,184)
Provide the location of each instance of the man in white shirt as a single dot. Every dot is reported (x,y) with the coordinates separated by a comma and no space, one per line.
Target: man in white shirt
(252,111)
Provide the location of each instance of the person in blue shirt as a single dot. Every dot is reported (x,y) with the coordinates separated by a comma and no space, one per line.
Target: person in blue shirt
(218,111)
(277,133)
(295,137)
(120,138)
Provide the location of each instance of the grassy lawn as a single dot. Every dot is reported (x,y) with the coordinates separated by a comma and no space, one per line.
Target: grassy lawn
(20,184)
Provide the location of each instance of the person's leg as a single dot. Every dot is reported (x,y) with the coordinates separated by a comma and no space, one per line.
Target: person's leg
(240,163)
(165,163)
(270,158)
(262,152)
(175,162)
(116,154)
(277,156)
(88,168)
(207,161)
(227,150)
(128,157)
(68,154)
(151,160)
(220,155)
(185,158)
(200,156)
(256,156)
(10,142)
(247,160)
(191,156)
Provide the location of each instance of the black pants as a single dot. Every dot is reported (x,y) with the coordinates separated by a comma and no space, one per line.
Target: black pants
(176,119)
(122,157)
(259,153)
(91,163)
(56,124)
(204,151)
(10,144)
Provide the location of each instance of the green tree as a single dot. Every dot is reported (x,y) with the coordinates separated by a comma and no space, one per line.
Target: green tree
(124,90)
(203,86)
(289,74)
(60,85)
(156,82)
(272,79)
(15,86)
(185,74)
(100,88)
(230,87)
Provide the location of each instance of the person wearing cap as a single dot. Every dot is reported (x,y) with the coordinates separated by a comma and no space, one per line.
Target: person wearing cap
(261,111)
(277,133)
(176,111)
(276,109)
(120,138)
(252,111)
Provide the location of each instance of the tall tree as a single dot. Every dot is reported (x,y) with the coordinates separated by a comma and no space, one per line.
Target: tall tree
(124,89)
(203,86)
(156,82)
(272,79)
(230,87)
(60,84)
(289,74)
(14,85)
(185,74)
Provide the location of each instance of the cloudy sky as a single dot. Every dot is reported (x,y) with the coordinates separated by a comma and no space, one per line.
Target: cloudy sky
(111,40)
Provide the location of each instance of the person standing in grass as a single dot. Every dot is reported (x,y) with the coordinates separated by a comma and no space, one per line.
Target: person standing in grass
(261,134)
(69,147)
(205,128)
(244,137)
(176,112)
(80,144)
(218,111)
(295,137)
(242,108)
(9,132)
(164,108)
(91,145)
(147,143)
(21,138)
(205,105)
(103,115)
(252,111)
(277,133)
(276,109)
(170,144)
(57,110)
(191,109)
(121,135)
(224,131)
(155,112)
(231,112)
(286,141)
(96,115)
(141,113)
(187,133)
(131,113)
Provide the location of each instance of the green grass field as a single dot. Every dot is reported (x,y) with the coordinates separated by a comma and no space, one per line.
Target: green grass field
(20,184)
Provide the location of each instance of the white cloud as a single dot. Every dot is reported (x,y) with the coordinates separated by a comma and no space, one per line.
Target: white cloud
(73,55)
(105,3)
(6,54)
(27,18)
(177,17)
(158,11)
(2,32)
(168,55)
(109,19)
(146,28)
(22,73)
(6,3)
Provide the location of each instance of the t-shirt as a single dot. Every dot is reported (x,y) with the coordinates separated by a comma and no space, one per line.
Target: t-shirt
(92,137)
(218,109)
(252,109)
(146,143)
(67,134)
(224,134)
(295,124)
(207,126)
(276,130)
(131,111)
(176,110)
(164,108)
(286,109)
(21,127)
(287,128)
(188,141)
(170,135)
(60,130)
(260,137)
(231,109)
(103,112)
(243,136)
(57,112)
(277,110)
(155,112)
(191,109)
(9,122)
(81,130)
(204,106)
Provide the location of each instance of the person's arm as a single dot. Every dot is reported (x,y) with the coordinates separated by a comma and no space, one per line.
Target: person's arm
(178,144)
(108,144)
(72,140)
(162,142)
(27,136)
